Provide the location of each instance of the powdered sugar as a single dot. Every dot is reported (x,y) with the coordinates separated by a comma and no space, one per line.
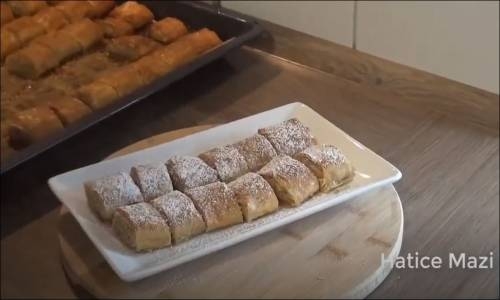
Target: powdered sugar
(256,150)
(286,168)
(153,180)
(324,155)
(115,190)
(142,215)
(177,208)
(288,137)
(189,172)
(228,162)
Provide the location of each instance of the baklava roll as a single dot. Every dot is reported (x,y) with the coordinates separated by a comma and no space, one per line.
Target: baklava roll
(50,19)
(97,95)
(153,180)
(100,8)
(74,10)
(181,215)
(114,27)
(227,161)
(32,61)
(68,109)
(131,47)
(291,180)
(167,30)
(141,227)
(106,194)
(189,172)
(6,14)
(256,150)
(217,204)
(32,125)
(329,164)
(150,68)
(62,47)
(133,13)
(86,32)
(202,40)
(288,137)
(186,48)
(8,44)
(25,7)
(254,195)
(124,80)
(25,29)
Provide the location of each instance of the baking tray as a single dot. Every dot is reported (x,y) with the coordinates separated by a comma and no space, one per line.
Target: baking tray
(233,28)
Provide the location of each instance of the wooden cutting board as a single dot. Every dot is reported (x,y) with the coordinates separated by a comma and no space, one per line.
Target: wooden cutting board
(333,254)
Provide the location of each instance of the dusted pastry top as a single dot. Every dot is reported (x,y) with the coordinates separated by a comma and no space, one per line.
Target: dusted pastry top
(288,137)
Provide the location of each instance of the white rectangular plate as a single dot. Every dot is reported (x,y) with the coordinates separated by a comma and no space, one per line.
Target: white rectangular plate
(371,171)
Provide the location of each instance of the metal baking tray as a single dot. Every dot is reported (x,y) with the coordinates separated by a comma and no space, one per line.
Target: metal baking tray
(233,28)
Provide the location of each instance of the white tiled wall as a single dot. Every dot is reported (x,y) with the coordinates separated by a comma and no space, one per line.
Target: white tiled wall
(456,39)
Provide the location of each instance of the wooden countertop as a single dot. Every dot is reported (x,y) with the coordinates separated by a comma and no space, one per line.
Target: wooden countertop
(441,134)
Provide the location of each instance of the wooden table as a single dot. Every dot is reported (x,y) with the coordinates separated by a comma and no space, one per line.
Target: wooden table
(441,134)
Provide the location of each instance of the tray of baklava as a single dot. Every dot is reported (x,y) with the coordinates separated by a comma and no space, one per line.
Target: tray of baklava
(163,206)
(66,65)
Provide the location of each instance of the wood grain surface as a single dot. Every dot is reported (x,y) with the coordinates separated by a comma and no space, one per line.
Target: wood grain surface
(333,254)
(449,158)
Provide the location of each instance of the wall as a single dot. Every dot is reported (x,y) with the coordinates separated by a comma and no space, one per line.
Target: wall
(457,40)
(331,20)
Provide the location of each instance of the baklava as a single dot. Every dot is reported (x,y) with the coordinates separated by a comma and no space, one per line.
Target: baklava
(227,161)
(133,13)
(181,215)
(189,172)
(152,179)
(217,204)
(106,194)
(141,227)
(32,125)
(254,195)
(288,137)
(167,30)
(256,150)
(329,164)
(291,180)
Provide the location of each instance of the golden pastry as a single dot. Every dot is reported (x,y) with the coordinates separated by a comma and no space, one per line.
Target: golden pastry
(100,8)
(167,30)
(141,227)
(329,164)
(33,125)
(74,11)
(130,47)
(114,27)
(24,28)
(50,19)
(6,14)
(68,109)
(181,215)
(25,7)
(133,13)
(217,204)
(254,195)
(97,95)
(32,61)
(291,180)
